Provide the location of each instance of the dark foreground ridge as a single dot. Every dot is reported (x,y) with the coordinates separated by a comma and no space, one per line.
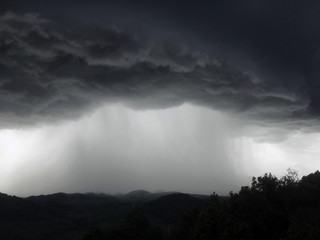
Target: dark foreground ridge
(284,208)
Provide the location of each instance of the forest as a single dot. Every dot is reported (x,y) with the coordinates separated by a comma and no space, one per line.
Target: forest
(286,208)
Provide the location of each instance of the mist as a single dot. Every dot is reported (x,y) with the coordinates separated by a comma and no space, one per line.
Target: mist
(117,149)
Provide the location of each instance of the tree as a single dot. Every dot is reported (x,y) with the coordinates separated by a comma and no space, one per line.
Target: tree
(211,220)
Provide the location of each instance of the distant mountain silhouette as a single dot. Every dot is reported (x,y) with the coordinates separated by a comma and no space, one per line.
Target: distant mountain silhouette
(167,209)
(286,208)
(141,196)
(70,216)
(75,198)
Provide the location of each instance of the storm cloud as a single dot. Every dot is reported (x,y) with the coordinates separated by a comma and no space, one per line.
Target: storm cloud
(113,96)
(51,71)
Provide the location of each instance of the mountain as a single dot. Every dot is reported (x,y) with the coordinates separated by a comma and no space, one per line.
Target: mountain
(167,209)
(141,196)
(271,208)
(70,216)
(74,198)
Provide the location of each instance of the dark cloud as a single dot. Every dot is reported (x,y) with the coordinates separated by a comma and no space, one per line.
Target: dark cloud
(56,70)
(255,62)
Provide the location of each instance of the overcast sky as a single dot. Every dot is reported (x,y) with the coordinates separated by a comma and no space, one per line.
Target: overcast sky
(113,96)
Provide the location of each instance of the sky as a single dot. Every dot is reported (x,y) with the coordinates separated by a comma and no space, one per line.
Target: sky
(114,96)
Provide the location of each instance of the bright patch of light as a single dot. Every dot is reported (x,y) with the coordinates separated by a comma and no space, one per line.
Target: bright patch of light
(300,151)
(264,157)
(16,146)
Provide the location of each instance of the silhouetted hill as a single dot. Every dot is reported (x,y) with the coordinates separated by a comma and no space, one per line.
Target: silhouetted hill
(58,214)
(167,209)
(69,216)
(137,196)
(18,209)
(75,198)
(141,196)
(199,196)
(271,208)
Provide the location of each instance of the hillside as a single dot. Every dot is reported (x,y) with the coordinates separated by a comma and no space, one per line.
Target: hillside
(285,208)
(70,216)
